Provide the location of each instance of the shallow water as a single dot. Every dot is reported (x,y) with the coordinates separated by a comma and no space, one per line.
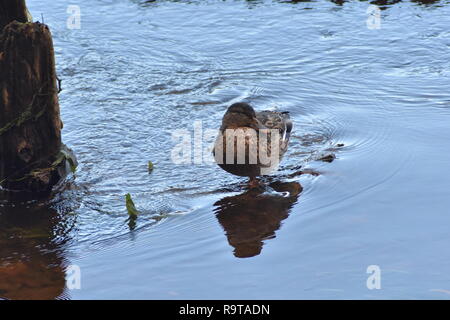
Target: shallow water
(138,70)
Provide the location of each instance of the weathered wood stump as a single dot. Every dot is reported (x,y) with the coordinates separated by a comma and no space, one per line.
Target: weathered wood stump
(32,157)
(13,10)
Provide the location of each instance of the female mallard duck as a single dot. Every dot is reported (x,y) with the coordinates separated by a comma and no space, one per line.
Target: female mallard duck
(251,144)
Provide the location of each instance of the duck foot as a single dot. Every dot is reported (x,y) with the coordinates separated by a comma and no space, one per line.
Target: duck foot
(254,183)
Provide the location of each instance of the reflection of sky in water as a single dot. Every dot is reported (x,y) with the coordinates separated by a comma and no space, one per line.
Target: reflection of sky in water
(136,71)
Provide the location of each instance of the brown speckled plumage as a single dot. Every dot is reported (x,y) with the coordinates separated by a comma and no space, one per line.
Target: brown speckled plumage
(244,123)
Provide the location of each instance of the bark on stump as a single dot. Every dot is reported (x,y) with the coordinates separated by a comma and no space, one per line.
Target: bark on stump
(13,10)
(32,157)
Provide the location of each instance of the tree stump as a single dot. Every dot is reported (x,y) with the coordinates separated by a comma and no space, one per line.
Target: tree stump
(13,10)
(32,157)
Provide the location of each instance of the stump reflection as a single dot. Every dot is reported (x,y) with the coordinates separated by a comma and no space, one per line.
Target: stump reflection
(32,252)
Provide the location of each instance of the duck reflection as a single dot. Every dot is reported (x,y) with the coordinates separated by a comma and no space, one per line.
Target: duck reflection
(32,257)
(255,215)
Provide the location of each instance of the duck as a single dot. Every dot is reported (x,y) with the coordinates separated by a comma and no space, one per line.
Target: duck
(251,144)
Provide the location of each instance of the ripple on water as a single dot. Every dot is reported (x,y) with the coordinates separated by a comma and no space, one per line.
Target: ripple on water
(136,71)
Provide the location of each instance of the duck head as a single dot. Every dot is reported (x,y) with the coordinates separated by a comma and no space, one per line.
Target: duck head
(239,115)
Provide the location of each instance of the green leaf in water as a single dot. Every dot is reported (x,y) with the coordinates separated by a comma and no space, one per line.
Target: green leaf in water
(150,167)
(132,211)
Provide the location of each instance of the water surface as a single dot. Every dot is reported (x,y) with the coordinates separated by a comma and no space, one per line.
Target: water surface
(137,70)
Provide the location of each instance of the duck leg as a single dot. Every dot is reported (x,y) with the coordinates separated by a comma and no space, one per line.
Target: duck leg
(254,183)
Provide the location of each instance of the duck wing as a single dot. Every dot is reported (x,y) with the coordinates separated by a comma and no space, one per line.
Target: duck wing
(280,121)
